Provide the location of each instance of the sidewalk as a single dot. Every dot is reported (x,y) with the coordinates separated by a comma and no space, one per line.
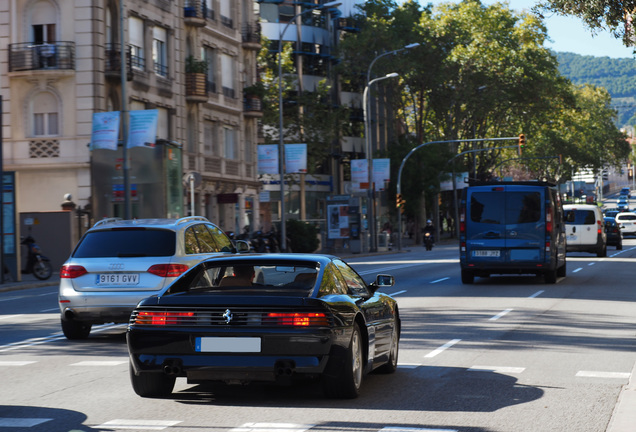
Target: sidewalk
(30,281)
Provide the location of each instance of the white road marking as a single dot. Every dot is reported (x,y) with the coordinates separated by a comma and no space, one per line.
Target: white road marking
(410,429)
(16,363)
(408,365)
(272,427)
(9,422)
(591,264)
(537,294)
(440,280)
(577,270)
(51,310)
(498,369)
(398,292)
(442,348)
(9,316)
(138,424)
(100,363)
(499,315)
(598,374)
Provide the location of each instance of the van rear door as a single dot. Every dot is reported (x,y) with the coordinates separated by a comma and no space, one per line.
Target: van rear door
(506,224)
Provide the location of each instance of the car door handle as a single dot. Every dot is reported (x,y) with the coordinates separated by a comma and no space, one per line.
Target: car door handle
(492,234)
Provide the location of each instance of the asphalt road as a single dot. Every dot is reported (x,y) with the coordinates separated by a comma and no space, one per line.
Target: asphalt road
(508,353)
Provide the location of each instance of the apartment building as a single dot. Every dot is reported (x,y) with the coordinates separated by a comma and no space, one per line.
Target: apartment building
(60,62)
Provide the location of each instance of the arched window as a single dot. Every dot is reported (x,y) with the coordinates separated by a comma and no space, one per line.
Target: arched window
(45,120)
(43,22)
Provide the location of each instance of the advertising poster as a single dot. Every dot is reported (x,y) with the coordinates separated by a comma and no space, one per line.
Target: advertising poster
(268,159)
(143,128)
(105,130)
(338,221)
(295,158)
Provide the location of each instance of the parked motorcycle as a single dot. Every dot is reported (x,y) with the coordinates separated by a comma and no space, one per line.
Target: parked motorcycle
(428,241)
(37,264)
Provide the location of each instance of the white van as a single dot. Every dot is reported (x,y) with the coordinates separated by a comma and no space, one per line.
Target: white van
(627,222)
(584,229)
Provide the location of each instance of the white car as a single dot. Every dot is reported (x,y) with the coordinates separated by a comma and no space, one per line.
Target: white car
(627,222)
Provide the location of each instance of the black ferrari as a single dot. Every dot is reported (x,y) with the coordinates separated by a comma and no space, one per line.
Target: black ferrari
(265,318)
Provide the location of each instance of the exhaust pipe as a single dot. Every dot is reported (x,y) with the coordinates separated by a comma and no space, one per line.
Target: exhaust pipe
(172,367)
(69,314)
(284,368)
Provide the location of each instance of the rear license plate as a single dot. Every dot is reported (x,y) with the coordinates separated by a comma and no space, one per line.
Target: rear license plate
(228,344)
(118,279)
(486,253)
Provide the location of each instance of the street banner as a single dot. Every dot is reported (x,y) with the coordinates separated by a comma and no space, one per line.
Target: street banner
(268,159)
(359,174)
(105,130)
(295,158)
(143,128)
(381,173)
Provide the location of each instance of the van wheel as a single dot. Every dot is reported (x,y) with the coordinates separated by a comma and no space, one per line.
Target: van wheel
(468,277)
(602,252)
(561,271)
(550,276)
(619,246)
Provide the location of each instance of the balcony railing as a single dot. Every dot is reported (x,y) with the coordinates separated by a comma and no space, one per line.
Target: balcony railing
(195,12)
(112,66)
(251,34)
(28,56)
(252,106)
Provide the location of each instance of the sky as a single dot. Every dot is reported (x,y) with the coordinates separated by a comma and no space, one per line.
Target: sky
(568,34)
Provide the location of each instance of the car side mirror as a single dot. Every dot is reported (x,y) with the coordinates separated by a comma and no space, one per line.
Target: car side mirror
(242,246)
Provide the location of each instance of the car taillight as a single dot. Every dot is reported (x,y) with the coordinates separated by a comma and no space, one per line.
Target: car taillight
(168,270)
(163,318)
(72,271)
(306,319)
(548,219)
(599,231)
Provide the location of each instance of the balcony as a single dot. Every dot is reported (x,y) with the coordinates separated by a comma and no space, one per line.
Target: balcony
(29,56)
(251,35)
(195,87)
(112,65)
(252,106)
(195,13)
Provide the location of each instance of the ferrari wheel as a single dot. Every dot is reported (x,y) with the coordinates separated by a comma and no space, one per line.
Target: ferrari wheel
(345,384)
(152,385)
(391,365)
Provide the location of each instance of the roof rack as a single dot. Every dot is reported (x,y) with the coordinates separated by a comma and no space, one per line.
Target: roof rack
(107,220)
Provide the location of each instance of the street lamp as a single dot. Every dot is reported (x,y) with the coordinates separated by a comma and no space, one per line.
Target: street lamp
(281,142)
(367,138)
(371,193)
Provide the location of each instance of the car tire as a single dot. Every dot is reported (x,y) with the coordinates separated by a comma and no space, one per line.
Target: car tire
(151,384)
(391,365)
(550,276)
(74,330)
(561,270)
(468,277)
(345,383)
(602,252)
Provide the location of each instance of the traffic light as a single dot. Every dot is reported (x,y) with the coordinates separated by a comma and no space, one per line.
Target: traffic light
(522,143)
(398,201)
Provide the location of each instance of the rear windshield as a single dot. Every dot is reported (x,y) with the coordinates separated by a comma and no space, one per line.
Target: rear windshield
(581,217)
(502,208)
(628,217)
(126,243)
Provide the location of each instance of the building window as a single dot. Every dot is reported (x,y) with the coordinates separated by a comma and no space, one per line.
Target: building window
(229,138)
(136,28)
(159,52)
(45,121)
(43,18)
(226,13)
(227,75)
(209,147)
(209,55)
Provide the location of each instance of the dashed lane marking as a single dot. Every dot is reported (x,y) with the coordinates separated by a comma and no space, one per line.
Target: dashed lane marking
(442,348)
(398,293)
(138,424)
(497,369)
(272,427)
(500,314)
(440,280)
(600,374)
(410,429)
(100,363)
(537,294)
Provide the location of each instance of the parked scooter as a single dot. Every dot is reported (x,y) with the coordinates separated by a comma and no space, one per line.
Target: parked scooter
(37,264)
(428,241)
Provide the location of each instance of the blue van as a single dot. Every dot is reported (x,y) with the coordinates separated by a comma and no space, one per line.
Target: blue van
(511,228)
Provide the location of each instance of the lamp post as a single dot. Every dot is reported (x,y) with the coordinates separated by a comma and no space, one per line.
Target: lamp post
(371,192)
(281,141)
(367,138)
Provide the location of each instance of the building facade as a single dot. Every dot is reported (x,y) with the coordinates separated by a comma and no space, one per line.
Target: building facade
(60,62)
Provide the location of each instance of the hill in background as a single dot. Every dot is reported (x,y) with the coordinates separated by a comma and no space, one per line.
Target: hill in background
(618,76)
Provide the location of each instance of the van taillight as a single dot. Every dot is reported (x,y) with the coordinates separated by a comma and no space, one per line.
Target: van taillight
(600,227)
(548,219)
(462,221)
